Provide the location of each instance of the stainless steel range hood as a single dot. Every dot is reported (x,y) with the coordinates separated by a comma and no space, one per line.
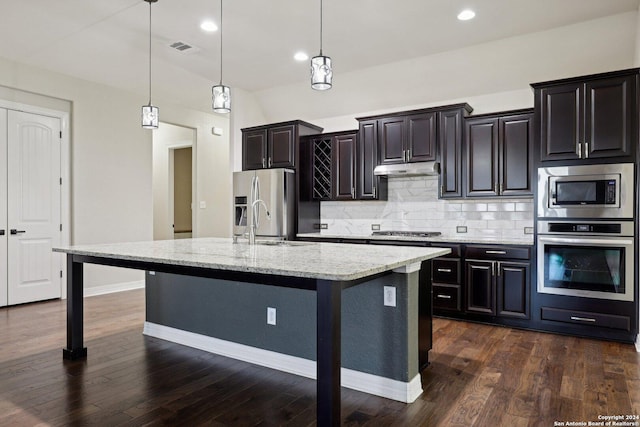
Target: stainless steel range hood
(408,169)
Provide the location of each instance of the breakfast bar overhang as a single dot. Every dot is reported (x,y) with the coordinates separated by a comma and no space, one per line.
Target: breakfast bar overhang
(325,268)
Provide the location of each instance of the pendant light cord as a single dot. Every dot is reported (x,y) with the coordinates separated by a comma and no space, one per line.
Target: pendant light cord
(149,53)
(220,42)
(320,27)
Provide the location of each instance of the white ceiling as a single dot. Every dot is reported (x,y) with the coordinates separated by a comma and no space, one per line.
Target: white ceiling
(107,41)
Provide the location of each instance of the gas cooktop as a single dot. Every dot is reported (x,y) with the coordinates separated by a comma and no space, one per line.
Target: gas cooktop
(407,233)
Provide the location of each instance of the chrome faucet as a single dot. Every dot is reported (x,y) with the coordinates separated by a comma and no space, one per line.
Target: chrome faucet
(255,209)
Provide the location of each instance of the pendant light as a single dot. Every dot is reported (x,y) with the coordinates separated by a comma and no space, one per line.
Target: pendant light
(150,114)
(321,72)
(221,94)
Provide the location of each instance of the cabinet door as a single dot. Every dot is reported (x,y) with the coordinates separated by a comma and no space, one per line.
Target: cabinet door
(254,149)
(281,147)
(561,122)
(367,160)
(421,137)
(391,134)
(344,167)
(513,289)
(450,143)
(482,157)
(516,159)
(480,286)
(609,106)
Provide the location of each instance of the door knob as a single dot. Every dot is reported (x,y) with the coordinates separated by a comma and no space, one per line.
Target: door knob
(14,231)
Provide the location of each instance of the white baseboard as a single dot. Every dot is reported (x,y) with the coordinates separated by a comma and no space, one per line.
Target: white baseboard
(116,287)
(406,392)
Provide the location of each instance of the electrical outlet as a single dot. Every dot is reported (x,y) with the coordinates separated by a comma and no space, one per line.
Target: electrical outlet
(375,227)
(528,230)
(461,229)
(390,296)
(271,316)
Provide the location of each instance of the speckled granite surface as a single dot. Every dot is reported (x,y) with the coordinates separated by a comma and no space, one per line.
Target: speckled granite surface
(450,239)
(328,261)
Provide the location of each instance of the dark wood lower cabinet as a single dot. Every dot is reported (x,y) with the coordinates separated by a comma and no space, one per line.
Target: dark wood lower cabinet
(480,287)
(512,286)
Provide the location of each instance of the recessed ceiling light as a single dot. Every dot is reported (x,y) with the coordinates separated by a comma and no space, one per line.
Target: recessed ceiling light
(209,26)
(466,14)
(300,56)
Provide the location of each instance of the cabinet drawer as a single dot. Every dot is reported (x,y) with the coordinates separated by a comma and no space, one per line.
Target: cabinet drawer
(497,252)
(446,297)
(446,270)
(586,318)
(456,250)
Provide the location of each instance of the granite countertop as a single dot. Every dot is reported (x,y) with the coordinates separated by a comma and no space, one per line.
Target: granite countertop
(525,240)
(327,261)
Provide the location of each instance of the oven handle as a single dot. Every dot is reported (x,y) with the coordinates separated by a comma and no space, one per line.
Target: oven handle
(586,241)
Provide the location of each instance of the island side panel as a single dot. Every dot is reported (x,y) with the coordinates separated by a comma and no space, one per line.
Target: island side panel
(376,339)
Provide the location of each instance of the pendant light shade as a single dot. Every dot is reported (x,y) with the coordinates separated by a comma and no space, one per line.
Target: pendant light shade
(221,94)
(221,98)
(321,71)
(150,114)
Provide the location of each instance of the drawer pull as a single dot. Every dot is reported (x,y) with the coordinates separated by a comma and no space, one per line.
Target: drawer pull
(441,296)
(444,270)
(496,252)
(582,319)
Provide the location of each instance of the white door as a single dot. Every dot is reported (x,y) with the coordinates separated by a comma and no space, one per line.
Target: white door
(3,207)
(33,158)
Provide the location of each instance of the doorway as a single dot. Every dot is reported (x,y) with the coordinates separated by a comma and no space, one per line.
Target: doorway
(30,207)
(174,186)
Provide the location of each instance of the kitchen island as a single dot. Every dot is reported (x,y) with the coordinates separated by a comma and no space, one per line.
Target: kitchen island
(324,268)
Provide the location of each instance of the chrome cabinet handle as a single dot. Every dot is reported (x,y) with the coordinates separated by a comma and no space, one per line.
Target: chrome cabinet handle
(579,150)
(409,155)
(498,269)
(495,188)
(270,162)
(444,270)
(353,193)
(14,231)
(586,150)
(264,162)
(582,319)
(501,188)
(374,192)
(496,252)
(441,296)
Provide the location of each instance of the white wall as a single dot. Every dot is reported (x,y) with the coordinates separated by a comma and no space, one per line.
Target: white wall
(491,72)
(246,112)
(111,162)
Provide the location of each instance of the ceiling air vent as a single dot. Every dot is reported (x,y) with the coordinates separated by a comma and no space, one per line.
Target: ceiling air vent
(183,47)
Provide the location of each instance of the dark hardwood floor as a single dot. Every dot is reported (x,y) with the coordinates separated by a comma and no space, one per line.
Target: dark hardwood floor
(480,376)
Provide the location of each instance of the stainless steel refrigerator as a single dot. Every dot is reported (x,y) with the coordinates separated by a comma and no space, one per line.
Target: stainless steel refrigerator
(268,195)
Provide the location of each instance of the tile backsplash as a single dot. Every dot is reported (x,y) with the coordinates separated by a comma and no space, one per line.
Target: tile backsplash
(413,204)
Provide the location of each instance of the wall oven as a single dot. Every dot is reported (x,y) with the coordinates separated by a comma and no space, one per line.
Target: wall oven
(592,259)
(586,191)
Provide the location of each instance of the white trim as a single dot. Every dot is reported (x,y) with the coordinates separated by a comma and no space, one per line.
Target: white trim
(638,343)
(406,392)
(115,287)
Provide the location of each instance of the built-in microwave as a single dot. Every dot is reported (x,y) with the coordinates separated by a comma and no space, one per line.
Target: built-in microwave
(586,191)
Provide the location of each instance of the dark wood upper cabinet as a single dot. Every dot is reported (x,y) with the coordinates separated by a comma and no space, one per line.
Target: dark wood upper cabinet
(254,149)
(274,146)
(499,154)
(344,171)
(281,147)
(450,137)
(404,139)
(588,117)
(334,165)
(368,185)
(421,137)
